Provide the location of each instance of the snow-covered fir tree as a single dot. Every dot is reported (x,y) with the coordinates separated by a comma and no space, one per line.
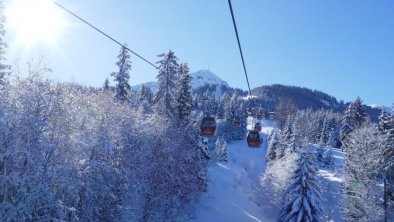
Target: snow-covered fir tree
(209,103)
(354,117)
(325,130)
(287,131)
(145,93)
(360,114)
(383,124)
(165,99)
(121,77)
(302,201)
(4,68)
(184,95)
(273,145)
(361,174)
(386,132)
(106,85)
(221,150)
(221,106)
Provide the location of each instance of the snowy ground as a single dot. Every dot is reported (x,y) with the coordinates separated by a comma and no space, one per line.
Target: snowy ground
(331,182)
(233,186)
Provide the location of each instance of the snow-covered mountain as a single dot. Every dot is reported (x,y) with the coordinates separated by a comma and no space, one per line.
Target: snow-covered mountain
(201,78)
(206,77)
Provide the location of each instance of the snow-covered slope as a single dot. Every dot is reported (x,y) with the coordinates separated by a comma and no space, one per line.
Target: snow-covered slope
(206,77)
(200,78)
(234,192)
(232,188)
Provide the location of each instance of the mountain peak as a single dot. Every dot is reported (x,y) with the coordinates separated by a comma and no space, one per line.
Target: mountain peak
(206,77)
(200,78)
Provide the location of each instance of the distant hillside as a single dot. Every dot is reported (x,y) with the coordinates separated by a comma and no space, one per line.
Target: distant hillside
(303,98)
(269,96)
(152,85)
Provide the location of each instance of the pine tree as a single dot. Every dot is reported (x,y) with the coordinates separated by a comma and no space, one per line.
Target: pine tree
(165,99)
(122,88)
(383,124)
(302,201)
(145,94)
(354,117)
(272,146)
(210,105)
(184,95)
(361,174)
(347,123)
(220,108)
(360,115)
(106,85)
(287,130)
(4,68)
(386,131)
(324,132)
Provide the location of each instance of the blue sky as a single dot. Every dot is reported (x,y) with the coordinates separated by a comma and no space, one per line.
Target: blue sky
(343,48)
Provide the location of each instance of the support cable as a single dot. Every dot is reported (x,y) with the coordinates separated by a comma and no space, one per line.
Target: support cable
(103,33)
(239,45)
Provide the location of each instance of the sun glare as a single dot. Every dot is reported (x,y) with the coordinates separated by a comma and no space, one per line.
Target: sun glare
(34,20)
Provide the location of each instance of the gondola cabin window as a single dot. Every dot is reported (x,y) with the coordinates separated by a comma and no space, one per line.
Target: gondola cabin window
(208,126)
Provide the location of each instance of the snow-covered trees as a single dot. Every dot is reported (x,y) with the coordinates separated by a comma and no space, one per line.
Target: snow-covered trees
(354,117)
(277,178)
(385,130)
(273,145)
(121,78)
(361,173)
(72,153)
(287,131)
(221,150)
(4,68)
(145,99)
(184,94)
(302,200)
(165,99)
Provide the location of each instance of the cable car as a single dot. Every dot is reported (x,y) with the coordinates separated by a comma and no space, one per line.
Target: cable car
(208,126)
(254,139)
(257,127)
(237,122)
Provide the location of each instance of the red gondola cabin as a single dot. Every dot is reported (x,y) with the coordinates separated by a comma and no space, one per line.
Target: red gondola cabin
(237,122)
(208,126)
(254,139)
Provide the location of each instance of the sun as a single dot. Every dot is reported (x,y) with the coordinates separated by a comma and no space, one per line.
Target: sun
(34,21)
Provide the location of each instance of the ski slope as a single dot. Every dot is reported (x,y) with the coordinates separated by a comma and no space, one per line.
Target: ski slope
(232,187)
